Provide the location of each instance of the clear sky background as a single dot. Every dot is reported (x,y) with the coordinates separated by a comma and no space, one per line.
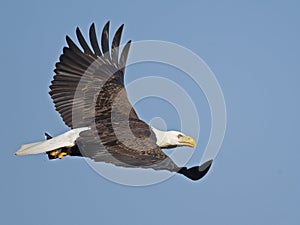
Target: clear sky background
(252,47)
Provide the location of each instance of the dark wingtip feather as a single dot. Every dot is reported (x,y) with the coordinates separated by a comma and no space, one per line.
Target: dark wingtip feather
(72,45)
(116,44)
(68,39)
(82,42)
(93,39)
(124,56)
(104,40)
(197,172)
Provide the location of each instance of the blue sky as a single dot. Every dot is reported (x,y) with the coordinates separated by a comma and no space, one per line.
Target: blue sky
(253,49)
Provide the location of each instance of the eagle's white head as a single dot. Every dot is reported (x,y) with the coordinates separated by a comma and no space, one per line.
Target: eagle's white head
(171,139)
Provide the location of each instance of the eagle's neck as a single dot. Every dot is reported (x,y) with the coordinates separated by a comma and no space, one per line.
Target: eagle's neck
(162,139)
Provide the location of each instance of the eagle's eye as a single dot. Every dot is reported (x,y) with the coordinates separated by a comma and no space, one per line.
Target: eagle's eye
(179,136)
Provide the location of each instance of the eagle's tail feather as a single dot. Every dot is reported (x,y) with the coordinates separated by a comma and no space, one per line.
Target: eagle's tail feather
(64,140)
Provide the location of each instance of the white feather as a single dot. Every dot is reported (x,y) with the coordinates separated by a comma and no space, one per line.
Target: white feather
(64,140)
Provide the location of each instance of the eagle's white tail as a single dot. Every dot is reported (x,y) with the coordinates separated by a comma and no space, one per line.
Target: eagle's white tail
(64,140)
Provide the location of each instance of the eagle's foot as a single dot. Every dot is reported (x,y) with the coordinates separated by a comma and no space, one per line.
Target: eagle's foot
(62,154)
(57,154)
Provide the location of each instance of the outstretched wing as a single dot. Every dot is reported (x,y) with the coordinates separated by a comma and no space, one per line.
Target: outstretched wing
(81,74)
(88,91)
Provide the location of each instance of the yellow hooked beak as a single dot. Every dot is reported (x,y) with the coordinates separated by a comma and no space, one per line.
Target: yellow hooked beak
(187,141)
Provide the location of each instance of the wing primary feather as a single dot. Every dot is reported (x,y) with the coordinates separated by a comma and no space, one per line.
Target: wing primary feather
(124,55)
(116,44)
(104,40)
(72,45)
(83,43)
(94,42)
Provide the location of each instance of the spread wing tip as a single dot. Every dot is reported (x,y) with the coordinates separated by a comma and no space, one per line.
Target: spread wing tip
(196,172)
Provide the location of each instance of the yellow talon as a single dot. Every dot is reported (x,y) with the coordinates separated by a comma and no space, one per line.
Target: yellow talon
(62,154)
(53,153)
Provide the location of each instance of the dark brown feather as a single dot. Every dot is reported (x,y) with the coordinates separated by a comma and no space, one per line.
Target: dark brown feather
(124,55)
(82,42)
(104,40)
(115,44)
(94,42)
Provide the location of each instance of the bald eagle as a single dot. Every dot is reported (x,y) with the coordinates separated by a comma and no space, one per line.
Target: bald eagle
(89,94)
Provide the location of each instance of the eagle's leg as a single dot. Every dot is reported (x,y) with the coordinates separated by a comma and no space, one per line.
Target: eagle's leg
(57,153)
